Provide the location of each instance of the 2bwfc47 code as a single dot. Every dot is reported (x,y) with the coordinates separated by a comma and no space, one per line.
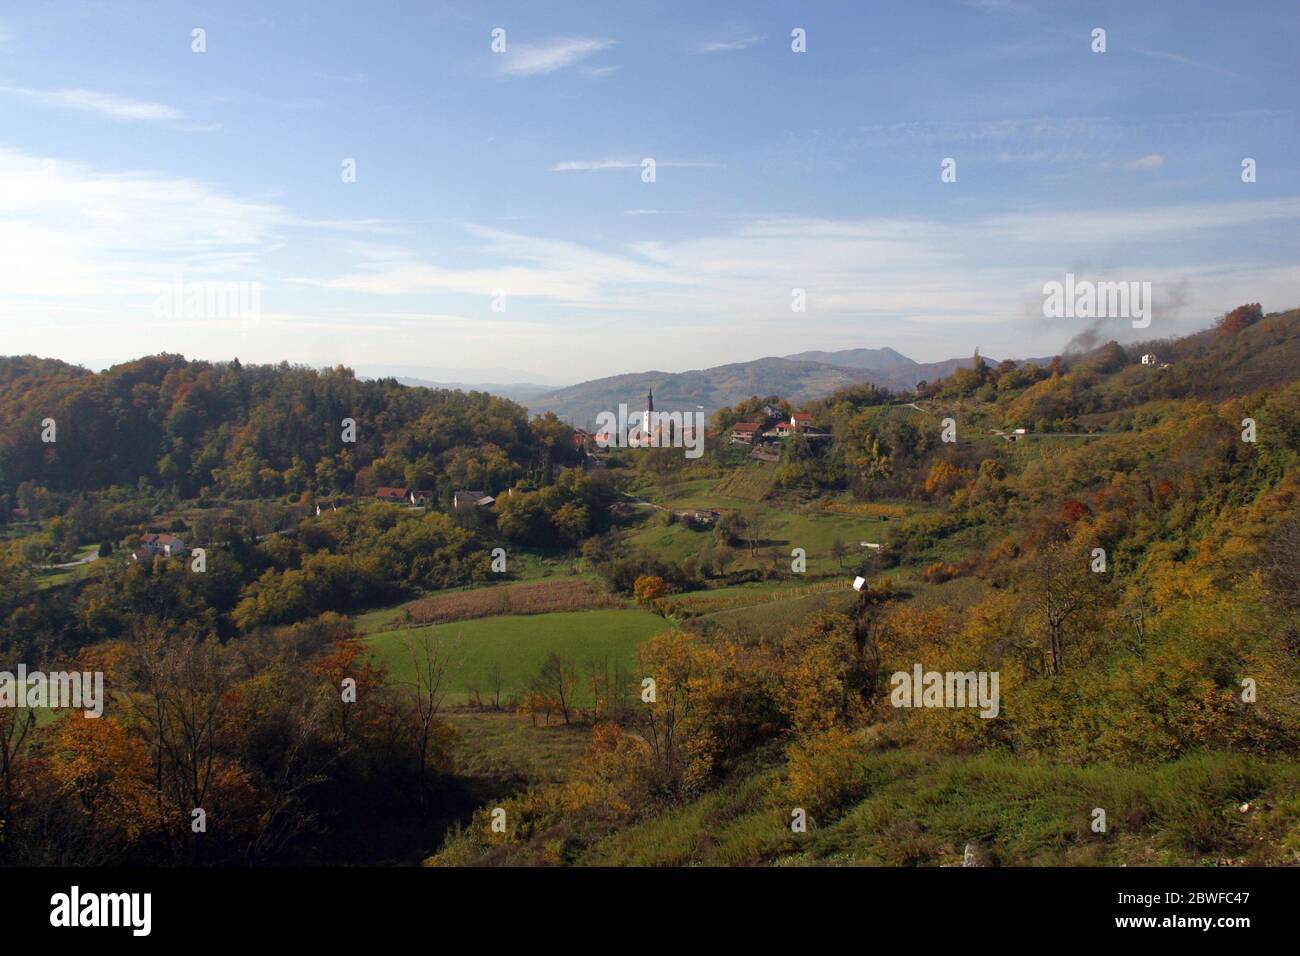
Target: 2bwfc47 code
(1194,897)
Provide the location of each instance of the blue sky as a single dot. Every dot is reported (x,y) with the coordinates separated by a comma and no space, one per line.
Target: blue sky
(128,161)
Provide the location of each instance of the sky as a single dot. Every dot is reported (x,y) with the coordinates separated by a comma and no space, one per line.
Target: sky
(499,223)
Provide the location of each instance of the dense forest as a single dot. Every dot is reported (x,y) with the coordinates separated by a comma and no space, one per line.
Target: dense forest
(200,429)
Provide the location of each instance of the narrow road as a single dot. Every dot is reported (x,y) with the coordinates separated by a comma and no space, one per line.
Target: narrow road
(88,559)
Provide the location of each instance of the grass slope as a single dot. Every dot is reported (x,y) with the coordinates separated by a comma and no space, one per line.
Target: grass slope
(920,809)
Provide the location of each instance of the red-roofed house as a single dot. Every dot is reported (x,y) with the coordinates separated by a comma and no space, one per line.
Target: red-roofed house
(160,545)
(395,495)
(744,433)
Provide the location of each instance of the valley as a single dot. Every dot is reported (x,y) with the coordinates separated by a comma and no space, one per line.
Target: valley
(727,582)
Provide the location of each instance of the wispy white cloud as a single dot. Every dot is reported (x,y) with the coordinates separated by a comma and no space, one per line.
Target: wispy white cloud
(101,103)
(589,165)
(936,284)
(725,46)
(1088,139)
(595,165)
(81,245)
(67,229)
(1183,60)
(1153,222)
(1149,161)
(525,59)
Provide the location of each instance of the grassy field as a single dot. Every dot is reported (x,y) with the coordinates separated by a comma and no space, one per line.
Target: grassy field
(671,542)
(807,528)
(527,566)
(677,494)
(519,644)
(524,597)
(498,747)
(1022,813)
(751,482)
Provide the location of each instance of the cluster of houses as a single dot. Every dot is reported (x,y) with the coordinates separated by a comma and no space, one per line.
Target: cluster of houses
(397,496)
(417,497)
(165,545)
(763,434)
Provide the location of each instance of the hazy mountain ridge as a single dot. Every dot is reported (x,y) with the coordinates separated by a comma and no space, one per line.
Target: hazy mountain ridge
(794,377)
(522,392)
(872,360)
(711,388)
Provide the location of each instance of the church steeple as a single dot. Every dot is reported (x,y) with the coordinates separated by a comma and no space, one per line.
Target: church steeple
(650,400)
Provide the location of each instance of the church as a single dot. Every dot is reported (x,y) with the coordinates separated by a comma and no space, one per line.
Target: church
(643,432)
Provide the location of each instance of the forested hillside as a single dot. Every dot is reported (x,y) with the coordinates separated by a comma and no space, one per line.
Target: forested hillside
(254,431)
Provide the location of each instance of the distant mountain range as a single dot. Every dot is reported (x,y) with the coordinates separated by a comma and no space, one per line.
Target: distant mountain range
(522,392)
(799,378)
(708,389)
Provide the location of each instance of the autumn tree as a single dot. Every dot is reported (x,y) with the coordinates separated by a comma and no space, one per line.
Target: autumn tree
(180,705)
(557,678)
(105,772)
(943,477)
(648,588)
(349,661)
(1060,587)
(825,680)
(1240,317)
(431,663)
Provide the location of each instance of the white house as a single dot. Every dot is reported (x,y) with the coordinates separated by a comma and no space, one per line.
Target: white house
(1150,359)
(160,545)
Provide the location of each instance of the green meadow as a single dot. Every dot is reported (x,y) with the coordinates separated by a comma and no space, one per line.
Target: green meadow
(519,644)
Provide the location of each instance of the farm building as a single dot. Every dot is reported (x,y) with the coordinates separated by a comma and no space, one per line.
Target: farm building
(471,499)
